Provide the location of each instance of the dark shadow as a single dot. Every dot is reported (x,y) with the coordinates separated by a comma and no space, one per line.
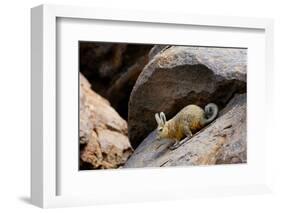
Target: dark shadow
(26,200)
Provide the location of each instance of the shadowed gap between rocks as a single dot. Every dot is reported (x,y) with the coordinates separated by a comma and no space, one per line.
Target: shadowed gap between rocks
(112,70)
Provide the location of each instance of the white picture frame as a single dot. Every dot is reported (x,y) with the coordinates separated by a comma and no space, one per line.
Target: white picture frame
(44,151)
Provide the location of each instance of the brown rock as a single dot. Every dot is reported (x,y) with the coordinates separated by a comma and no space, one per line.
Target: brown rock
(86,117)
(102,115)
(178,76)
(222,142)
(108,149)
(103,133)
(115,144)
(91,153)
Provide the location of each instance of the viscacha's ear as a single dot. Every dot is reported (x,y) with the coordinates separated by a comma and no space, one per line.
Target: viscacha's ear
(158,119)
(163,117)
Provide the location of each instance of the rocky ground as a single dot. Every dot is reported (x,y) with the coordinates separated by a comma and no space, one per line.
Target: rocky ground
(122,86)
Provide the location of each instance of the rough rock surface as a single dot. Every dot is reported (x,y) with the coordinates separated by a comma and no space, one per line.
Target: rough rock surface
(103,133)
(222,142)
(157,49)
(178,76)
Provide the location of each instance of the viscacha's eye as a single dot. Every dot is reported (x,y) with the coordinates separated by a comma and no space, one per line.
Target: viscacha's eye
(160,129)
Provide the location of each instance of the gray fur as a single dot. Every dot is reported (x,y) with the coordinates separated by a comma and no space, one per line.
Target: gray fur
(211,112)
(163,117)
(158,119)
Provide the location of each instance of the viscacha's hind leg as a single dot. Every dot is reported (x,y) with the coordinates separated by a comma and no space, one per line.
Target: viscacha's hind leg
(187,133)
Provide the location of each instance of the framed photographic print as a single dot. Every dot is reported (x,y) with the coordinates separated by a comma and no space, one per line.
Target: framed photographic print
(130,106)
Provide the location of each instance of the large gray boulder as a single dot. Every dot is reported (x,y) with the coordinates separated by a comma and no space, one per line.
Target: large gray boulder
(157,49)
(177,76)
(222,142)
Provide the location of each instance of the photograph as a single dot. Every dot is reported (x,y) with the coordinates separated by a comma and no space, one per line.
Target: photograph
(161,105)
